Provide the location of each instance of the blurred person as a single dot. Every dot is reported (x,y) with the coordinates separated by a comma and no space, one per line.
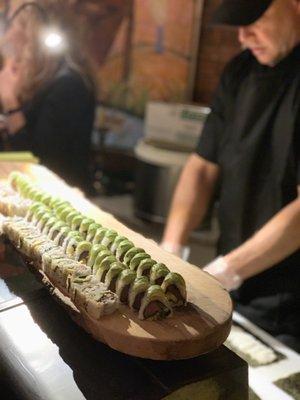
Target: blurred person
(47,93)
(249,155)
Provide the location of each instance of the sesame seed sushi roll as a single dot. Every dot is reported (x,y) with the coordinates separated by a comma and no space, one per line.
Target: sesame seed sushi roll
(125,279)
(158,273)
(112,275)
(175,289)
(154,305)
(122,249)
(135,261)
(144,267)
(99,302)
(92,231)
(137,291)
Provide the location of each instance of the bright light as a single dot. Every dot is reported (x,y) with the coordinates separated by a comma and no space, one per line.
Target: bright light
(53,40)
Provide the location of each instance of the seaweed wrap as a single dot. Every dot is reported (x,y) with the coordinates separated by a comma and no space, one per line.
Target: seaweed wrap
(131,253)
(99,235)
(154,304)
(144,267)
(99,301)
(122,249)
(135,261)
(125,279)
(82,252)
(43,220)
(158,273)
(109,237)
(48,225)
(175,289)
(104,267)
(55,229)
(95,250)
(92,231)
(100,257)
(137,291)
(84,226)
(63,232)
(112,275)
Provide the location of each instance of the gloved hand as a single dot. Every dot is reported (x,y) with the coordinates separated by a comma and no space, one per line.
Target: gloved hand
(220,270)
(181,251)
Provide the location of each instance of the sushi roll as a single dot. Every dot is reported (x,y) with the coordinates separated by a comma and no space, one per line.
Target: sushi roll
(125,279)
(79,278)
(99,301)
(71,216)
(50,256)
(144,267)
(135,261)
(118,239)
(65,212)
(43,220)
(108,238)
(99,235)
(55,229)
(158,273)
(104,267)
(100,257)
(82,252)
(112,275)
(84,226)
(175,289)
(122,249)
(76,222)
(95,250)
(137,291)
(72,246)
(45,199)
(71,235)
(32,209)
(48,225)
(154,304)
(63,232)
(92,231)
(40,248)
(131,253)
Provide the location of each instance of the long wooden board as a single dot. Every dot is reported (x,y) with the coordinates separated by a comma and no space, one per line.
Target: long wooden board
(199,328)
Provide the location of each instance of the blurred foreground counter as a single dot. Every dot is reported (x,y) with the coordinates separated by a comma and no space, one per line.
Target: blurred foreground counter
(45,355)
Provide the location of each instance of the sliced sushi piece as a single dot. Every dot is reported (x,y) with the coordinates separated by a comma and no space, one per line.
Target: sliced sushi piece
(100,257)
(112,275)
(158,273)
(175,289)
(95,250)
(82,252)
(71,235)
(63,232)
(39,249)
(71,216)
(60,270)
(104,267)
(76,281)
(76,222)
(99,235)
(125,279)
(42,222)
(55,229)
(48,225)
(144,267)
(99,301)
(118,239)
(46,199)
(32,209)
(72,246)
(135,261)
(122,249)
(92,231)
(65,212)
(108,238)
(131,253)
(49,257)
(84,226)
(154,304)
(137,291)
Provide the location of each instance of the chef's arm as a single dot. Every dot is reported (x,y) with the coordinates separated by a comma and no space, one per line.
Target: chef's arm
(190,202)
(276,240)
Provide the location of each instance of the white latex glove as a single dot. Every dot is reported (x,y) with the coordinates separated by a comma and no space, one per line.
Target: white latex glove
(181,251)
(220,270)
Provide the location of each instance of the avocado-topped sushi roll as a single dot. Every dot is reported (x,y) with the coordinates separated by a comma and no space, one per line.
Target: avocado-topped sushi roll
(109,237)
(137,291)
(82,252)
(71,216)
(104,267)
(84,226)
(71,235)
(48,225)
(99,301)
(122,249)
(135,261)
(64,212)
(158,273)
(99,235)
(154,304)
(112,275)
(131,253)
(43,220)
(59,203)
(32,210)
(72,246)
(55,229)
(95,250)
(175,289)
(46,199)
(144,267)
(76,222)
(100,257)
(118,239)
(63,209)
(92,228)
(63,232)
(38,214)
(125,279)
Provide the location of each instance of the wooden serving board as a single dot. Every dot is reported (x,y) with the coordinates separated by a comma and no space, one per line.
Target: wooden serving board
(199,328)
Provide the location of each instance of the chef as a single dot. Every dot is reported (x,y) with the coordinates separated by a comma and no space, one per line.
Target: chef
(249,156)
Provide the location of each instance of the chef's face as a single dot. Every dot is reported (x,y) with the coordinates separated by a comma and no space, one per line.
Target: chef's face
(273,35)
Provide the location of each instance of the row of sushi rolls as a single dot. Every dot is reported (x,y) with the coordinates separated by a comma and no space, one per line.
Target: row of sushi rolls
(92,264)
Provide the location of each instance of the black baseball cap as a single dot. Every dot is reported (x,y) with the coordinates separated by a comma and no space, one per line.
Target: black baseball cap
(240,12)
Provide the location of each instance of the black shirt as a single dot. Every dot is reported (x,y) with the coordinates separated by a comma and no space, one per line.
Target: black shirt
(253,134)
(58,129)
